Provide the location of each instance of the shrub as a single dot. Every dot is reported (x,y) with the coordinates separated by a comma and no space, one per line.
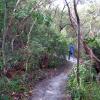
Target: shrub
(89,88)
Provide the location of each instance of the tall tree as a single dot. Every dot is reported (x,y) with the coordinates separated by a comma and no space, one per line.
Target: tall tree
(78,36)
(75,24)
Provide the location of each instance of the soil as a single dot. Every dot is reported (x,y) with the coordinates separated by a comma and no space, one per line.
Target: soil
(53,87)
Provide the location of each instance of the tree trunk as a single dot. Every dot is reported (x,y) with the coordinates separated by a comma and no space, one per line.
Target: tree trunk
(28,41)
(78,34)
(92,56)
(4,31)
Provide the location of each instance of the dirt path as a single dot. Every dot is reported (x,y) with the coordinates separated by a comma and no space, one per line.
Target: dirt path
(53,89)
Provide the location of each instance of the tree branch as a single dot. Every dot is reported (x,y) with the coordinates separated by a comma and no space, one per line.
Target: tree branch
(69,12)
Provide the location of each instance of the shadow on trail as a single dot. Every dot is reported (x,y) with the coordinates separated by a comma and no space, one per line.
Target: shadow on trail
(53,88)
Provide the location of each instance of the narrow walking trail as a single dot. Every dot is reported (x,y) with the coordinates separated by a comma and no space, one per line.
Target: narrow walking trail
(53,89)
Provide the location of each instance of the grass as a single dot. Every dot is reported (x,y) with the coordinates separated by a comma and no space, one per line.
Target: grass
(89,88)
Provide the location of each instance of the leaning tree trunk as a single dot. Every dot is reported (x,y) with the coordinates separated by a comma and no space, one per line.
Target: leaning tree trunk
(92,56)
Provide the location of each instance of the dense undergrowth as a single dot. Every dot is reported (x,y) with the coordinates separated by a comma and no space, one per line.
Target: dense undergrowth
(89,84)
(89,76)
(94,43)
(21,85)
(30,45)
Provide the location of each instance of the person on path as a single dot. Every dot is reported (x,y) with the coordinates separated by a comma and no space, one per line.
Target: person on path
(71,51)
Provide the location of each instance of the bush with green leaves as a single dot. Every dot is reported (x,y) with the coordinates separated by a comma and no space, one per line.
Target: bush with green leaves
(94,43)
(88,89)
(7,87)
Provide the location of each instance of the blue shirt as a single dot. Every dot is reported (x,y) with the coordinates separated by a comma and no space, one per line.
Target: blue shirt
(71,48)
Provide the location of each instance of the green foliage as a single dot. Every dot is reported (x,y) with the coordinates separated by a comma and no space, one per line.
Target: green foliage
(7,87)
(1,63)
(16,86)
(36,47)
(3,86)
(88,86)
(54,61)
(94,43)
(25,9)
(4,97)
(13,85)
(44,38)
(42,18)
(1,16)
